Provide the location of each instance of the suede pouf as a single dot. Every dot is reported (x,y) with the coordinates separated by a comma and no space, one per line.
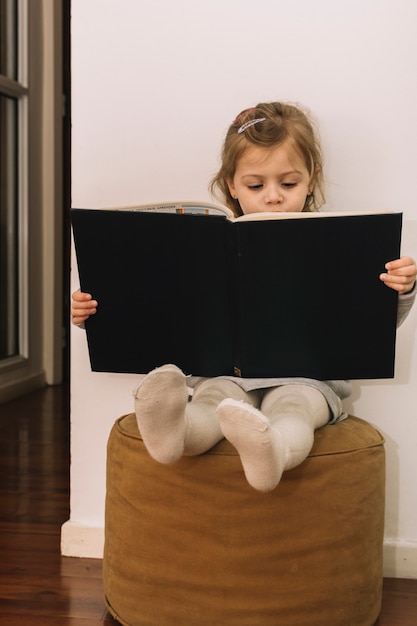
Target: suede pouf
(192,544)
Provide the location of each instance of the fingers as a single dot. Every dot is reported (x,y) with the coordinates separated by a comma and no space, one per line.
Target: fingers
(401,274)
(83,306)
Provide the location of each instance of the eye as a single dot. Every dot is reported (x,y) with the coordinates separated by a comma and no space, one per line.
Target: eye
(257,186)
(289,185)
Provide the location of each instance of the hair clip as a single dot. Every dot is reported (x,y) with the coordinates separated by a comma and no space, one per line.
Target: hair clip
(250,123)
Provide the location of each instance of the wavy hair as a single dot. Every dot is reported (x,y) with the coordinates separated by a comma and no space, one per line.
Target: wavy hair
(277,123)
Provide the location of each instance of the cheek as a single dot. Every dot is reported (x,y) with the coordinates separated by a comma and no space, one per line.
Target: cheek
(245,205)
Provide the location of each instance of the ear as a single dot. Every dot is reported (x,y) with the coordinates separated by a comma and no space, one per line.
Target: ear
(232,189)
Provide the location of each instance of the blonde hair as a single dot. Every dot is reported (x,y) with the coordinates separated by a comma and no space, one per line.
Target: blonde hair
(276,123)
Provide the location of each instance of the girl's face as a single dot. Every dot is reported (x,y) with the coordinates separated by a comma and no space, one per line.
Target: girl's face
(271,179)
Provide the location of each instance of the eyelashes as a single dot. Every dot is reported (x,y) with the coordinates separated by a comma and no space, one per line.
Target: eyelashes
(260,186)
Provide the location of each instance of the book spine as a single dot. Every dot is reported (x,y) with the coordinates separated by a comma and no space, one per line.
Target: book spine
(237,306)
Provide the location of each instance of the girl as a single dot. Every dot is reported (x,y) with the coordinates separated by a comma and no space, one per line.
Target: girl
(271,161)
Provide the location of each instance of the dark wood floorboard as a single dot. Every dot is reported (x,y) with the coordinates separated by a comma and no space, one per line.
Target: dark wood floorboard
(38,587)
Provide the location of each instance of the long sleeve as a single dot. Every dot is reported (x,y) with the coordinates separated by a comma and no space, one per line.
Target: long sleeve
(405,302)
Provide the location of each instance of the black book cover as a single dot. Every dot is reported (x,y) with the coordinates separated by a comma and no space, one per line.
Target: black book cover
(264,298)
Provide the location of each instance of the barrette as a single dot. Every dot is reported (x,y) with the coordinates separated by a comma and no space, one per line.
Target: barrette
(250,123)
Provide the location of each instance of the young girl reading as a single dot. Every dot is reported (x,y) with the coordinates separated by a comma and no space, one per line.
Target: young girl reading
(271,161)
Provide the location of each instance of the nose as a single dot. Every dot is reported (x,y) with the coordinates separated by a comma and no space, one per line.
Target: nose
(273,195)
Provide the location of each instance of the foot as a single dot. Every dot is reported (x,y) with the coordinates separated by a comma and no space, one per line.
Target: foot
(261,450)
(160,402)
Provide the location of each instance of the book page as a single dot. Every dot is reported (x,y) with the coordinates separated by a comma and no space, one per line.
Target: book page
(200,207)
(178,207)
(282,215)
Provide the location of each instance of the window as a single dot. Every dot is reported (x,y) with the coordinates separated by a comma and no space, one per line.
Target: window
(13,106)
(9,339)
(31,196)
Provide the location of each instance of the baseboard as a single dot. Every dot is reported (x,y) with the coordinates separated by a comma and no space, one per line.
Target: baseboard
(16,388)
(400,559)
(82,541)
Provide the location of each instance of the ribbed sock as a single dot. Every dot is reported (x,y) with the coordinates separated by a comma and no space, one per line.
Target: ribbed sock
(262,451)
(160,403)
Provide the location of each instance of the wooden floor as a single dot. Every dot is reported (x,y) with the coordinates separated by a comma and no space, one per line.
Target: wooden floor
(38,587)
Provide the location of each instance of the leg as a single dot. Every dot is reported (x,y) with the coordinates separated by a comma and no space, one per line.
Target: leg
(296,411)
(278,438)
(170,425)
(203,427)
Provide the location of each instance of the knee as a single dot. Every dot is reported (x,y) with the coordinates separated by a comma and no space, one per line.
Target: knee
(214,390)
(295,398)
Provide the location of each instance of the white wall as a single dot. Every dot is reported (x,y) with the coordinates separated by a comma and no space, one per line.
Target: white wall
(154,87)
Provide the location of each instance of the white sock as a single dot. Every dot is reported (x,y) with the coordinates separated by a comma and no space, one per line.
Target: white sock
(160,403)
(262,451)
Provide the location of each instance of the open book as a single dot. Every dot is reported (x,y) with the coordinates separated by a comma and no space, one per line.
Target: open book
(266,295)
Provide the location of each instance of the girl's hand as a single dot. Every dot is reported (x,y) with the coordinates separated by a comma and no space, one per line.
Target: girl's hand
(401,274)
(82,306)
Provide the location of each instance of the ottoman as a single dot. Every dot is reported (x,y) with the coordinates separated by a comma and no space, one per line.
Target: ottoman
(192,544)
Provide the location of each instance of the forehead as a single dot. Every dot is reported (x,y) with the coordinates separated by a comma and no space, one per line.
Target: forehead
(283,157)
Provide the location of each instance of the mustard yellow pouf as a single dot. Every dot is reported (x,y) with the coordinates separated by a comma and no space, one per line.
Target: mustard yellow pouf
(192,544)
